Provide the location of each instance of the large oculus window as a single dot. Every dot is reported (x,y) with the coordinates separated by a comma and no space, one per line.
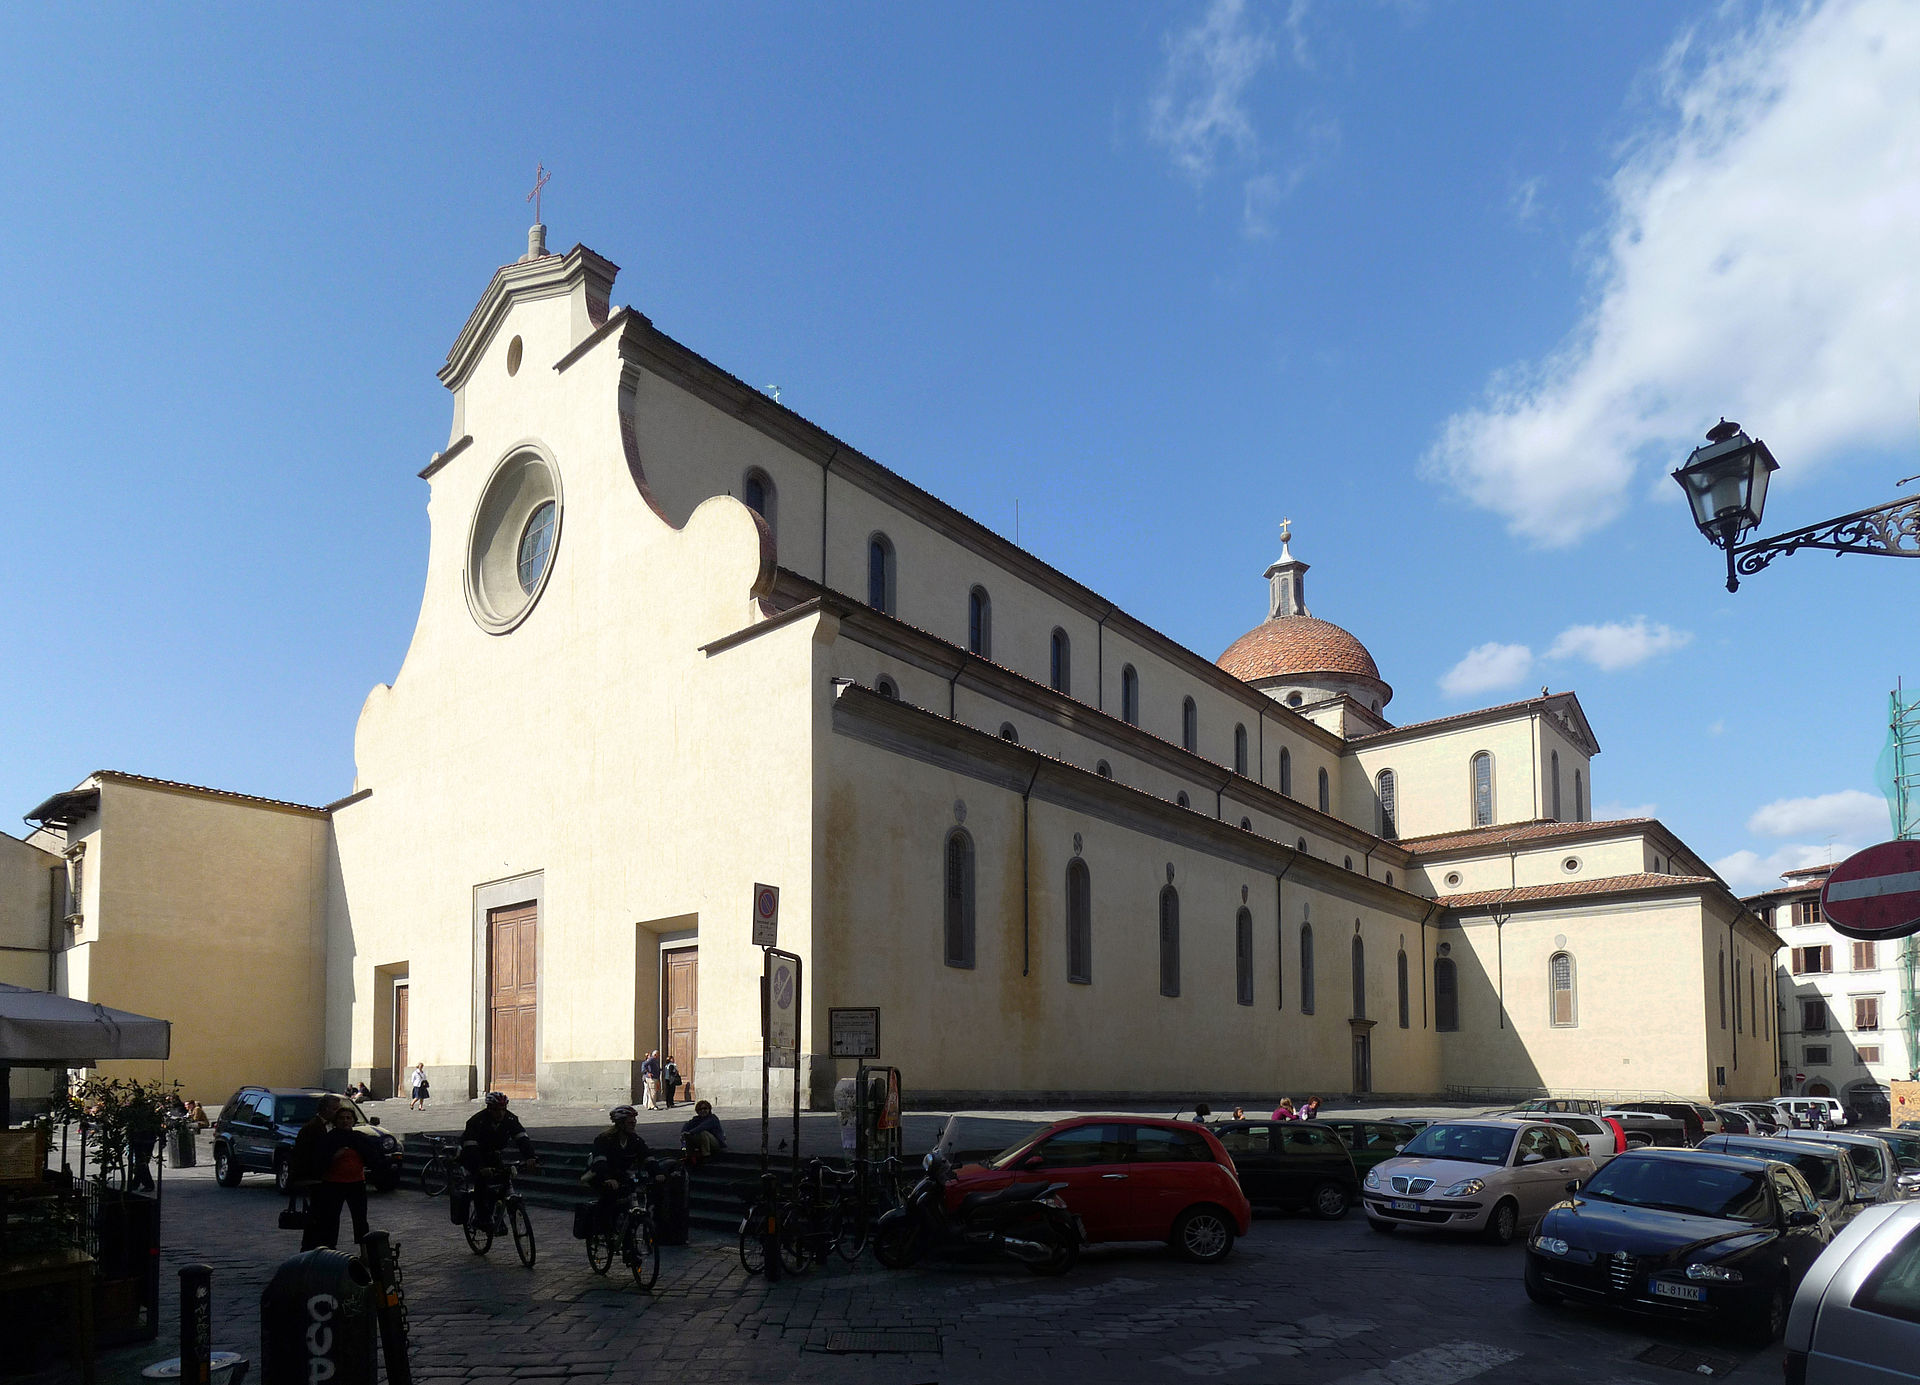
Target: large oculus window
(1169,942)
(959,900)
(511,545)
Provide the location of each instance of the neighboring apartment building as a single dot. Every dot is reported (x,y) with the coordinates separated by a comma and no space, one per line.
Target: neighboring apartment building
(1842,1003)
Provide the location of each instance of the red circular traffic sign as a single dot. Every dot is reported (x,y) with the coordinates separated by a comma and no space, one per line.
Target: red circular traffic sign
(1799,1077)
(1875,893)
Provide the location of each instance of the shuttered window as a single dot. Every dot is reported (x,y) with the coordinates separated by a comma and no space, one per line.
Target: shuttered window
(1865,956)
(1866,1012)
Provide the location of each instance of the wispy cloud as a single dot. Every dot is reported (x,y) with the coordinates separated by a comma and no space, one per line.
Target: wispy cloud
(1849,814)
(1617,645)
(1758,261)
(1199,108)
(1487,667)
(1524,201)
(1750,872)
(1614,812)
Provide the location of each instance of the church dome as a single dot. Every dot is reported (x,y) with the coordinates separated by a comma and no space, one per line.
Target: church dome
(1296,647)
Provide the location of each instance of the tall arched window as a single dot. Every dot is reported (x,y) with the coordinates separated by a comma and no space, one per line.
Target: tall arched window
(1723,990)
(1243,957)
(1553,771)
(1326,793)
(1400,971)
(880,573)
(1129,696)
(1359,978)
(1286,772)
(757,491)
(959,921)
(1306,969)
(1482,775)
(980,623)
(1739,1020)
(1239,750)
(1060,663)
(1079,924)
(1562,1009)
(1009,732)
(1446,995)
(1579,797)
(1389,805)
(1189,725)
(1169,942)
(1279,956)
(1753,1010)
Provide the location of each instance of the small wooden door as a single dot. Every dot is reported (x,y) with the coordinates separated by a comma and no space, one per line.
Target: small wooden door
(513,998)
(683,1013)
(399,1087)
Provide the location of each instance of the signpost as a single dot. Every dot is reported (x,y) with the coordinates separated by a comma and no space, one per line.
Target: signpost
(854,1033)
(1875,893)
(779,1041)
(766,915)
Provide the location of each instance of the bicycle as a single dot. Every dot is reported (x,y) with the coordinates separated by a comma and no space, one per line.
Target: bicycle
(436,1175)
(764,1214)
(831,1215)
(509,1213)
(629,1229)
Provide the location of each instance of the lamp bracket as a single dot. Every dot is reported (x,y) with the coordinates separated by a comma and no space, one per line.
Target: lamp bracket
(1891,530)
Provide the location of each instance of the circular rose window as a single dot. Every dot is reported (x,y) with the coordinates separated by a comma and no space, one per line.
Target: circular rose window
(516,530)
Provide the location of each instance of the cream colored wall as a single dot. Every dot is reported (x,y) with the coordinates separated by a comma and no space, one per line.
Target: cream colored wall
(647,784)
(1544,864)
(26,899)
(1434,780)
(1752,1070)
(1554,739)
(207,912)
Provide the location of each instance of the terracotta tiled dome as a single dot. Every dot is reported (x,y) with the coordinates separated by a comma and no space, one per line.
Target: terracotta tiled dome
(1298,646)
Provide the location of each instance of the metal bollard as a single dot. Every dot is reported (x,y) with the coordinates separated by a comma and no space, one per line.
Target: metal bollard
(317,1322)
(196,1325)
(383,1262)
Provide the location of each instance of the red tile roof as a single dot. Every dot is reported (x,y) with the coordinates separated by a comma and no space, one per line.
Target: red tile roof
(1298,645)
(1805,871)
(1516,832)
(1569,889)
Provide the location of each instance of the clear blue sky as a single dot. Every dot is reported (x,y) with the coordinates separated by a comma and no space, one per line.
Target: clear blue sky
(1452,285)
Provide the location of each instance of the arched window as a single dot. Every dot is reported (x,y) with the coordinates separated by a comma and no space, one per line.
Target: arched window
(1104,770)
(1060,663)
(1286,772)
(1723,990)
(1401,975)
(1389,877)
(1240,750)
(1739,1019)
(1482,777)
(1306,969)
(1563,1012)
(1359,978)
(1553,770)
(1446,995)
(1243,957)
(1579,797)
(959,922)
(1079,924)
(880,573)
(1389,805)
(1246,824)
(1129,696)
(757,491)
(1182,799)
(1169,942)
(980,623)
(1326,793)
(886,687)
(1302,848)
(1348,861)
(1009,733)
(1189,725)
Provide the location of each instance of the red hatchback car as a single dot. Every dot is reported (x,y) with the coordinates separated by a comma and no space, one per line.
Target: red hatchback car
(1129,1178)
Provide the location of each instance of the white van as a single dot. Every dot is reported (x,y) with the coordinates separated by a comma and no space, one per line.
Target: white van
(1799,1110)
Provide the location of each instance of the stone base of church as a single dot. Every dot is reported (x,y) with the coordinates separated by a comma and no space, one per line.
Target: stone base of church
(590,1081)
(733,1083)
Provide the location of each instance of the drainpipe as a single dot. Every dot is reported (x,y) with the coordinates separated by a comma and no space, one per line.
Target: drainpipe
(823,513)
(952,682)
(1280,921)
(1026,881)
(1219,799)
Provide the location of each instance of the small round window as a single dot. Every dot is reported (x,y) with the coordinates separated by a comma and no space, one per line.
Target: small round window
(1570,865)
(536,543)
(1453,879)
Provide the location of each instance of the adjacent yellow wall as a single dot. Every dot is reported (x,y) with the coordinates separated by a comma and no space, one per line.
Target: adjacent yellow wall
(27,887)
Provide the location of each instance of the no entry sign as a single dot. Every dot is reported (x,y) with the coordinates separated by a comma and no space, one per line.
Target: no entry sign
(1875,893)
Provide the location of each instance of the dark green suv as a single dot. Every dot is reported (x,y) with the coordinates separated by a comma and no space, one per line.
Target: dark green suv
(1296,1165)
(256,1130)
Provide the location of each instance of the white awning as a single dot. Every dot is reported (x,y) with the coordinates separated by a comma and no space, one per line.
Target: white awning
(41,1029)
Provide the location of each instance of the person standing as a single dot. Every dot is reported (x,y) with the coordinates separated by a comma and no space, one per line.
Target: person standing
(417,1087)
(343,1153)
(306,1167)
(144,1124)
(650,1081)
(670,1079)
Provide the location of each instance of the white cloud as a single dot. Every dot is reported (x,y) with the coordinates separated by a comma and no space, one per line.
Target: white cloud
(1524,201)
(1748,872)
(1758,261)
(1486,667)
(1199,109)
(1617,645)
(1848,814)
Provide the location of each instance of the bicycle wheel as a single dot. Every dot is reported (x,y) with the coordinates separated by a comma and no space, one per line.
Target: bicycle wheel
(600,1248)
(479,1233)
(753,1251)
(641,1251)
(849,1233)
(796,1255)
(435,1176)
(522,1227)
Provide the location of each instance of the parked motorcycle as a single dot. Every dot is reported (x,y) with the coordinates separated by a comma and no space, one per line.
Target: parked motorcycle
(1028,1222)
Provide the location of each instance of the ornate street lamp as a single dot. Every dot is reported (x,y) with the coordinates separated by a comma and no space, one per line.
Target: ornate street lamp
(1726,484)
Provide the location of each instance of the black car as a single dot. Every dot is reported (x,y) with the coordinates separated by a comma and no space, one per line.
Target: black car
(1684,1233)
(1295,1165)
(256,1129)
(1683,1111)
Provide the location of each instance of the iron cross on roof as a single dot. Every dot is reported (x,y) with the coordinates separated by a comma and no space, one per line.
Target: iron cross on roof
(540,179)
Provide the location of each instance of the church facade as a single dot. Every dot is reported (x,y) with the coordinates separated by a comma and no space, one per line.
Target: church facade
(676,640)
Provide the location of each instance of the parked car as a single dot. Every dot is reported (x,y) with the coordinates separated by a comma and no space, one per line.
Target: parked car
(1736,1122)
(1826,1168)
(256,1128)
(1683,1111)
(1857,1314)
(1603,1136)
(1553,1105)
(1489,1176)
(972,1139)
(1370,1142)
(1906,1152)
(1649,1128)
(1909,1125)
(1875,1168)
(1765,1116)
(1130,1178)
(1294,1165)
(1799,1110)
(1685,1233)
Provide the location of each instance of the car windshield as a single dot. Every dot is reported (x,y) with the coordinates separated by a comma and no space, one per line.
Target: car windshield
(298,1110)
(1906,1148)
(1470,1144)
(1822,1172)
(1676,1185)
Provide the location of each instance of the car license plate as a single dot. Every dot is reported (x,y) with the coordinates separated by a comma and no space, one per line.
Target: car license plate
(1690,1293)
(1402,1205)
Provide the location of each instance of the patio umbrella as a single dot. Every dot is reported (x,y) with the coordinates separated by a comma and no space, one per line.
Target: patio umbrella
(39,1029)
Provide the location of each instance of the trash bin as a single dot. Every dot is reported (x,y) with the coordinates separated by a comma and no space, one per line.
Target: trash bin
(672,1215)
(317,1321)
(183,1142)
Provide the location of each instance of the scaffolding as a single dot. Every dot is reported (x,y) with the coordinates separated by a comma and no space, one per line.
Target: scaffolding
(1899,775)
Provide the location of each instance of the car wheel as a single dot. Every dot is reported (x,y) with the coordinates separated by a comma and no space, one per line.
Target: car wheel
(1769,1321)
(1503,1224)
(1330,1202)
(283,1174)
(1203,1235)
(226,1169)
(1537,1289)
(1385,1228)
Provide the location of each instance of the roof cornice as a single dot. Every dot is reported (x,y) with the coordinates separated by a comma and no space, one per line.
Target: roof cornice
(1566,703)
(548,276)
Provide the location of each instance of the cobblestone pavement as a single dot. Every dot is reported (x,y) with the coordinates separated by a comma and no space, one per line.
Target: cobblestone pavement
(1299,1300)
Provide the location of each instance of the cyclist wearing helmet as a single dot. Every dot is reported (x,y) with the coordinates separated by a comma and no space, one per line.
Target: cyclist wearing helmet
(618,1153)
(489,1130)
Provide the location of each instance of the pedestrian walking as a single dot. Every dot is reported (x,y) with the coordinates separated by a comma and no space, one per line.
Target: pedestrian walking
(670,1079)
(650,1081)
(417,1087)
(343,1153)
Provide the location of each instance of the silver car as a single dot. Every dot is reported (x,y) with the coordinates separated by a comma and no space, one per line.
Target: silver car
(1489,1176)
(1876,1168)
(1826,1167)
(1856,1317)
